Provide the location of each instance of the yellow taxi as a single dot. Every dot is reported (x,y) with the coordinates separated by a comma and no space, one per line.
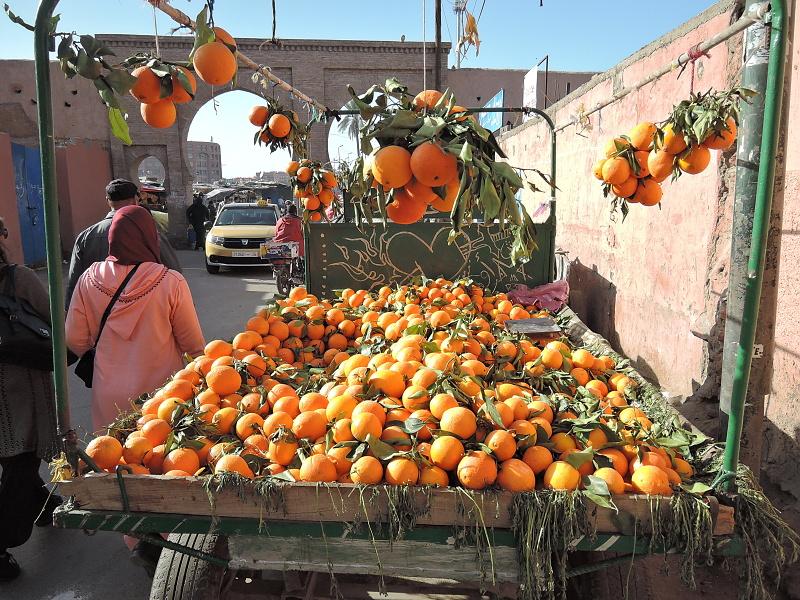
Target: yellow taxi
(240,235)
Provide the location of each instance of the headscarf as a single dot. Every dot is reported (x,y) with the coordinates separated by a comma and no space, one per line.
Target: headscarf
(132,238)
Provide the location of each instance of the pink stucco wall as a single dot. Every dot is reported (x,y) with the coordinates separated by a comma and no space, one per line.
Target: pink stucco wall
(782,435)
(652,283)
(8,201)
(83,170)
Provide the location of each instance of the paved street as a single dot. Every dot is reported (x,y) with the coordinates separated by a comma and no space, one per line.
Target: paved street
(70,565)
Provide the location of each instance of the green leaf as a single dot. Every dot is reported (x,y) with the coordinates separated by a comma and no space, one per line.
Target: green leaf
(696,488)
(283,476)
(90,44)
(15,19)
(380,449)
(65,48)
(203,34)
(405,119)
(491,410)
(119,126)
(431,126)
(466,154)
(106,93)
(120,80)
(393,86)
(596,490)
(87,67)
(577,459)
(184,81)
(506,171)
(489,199)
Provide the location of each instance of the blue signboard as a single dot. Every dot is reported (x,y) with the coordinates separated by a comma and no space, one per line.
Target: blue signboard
(493,120)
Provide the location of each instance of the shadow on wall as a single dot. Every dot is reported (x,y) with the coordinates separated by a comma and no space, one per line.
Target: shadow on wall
(594,298)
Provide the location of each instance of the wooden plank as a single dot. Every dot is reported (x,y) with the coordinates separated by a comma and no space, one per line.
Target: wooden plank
(338,503)
(365,557)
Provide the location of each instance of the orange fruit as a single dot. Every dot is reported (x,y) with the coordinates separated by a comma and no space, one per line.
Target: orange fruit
(364,424)
(105,451)
(651,480)
(156,431)
(648,193)
(404,209)
(223,380)
(459,421)
(616,170)
(218,348)
(641,135)
(340,407)
(616,485)
(516,476)
(279,125)
(446,452)
(391,166)
(433,475)
(420,192)
(147,88)
(674,142)
(451,195)
(282,450)
(181,459)
(366,470)
(626,189)
(613,145)
(318,468)
(248,425)
(426,99)
(214,63)
(402,471)
(695,160)
(538,458)
(433,166)
(135,449)
(160,115)
(224,418)
(476,470)
(723,139)
(220,35)
(597,169)
(259,115)
(561,476)
(618,460)
(501,443)
(660,165)
(232,463)
(440,403)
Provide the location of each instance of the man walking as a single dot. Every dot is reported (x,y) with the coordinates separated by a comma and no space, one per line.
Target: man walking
(91,245)
(197,215)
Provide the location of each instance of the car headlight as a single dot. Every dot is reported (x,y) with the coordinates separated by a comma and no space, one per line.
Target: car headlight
(216,240)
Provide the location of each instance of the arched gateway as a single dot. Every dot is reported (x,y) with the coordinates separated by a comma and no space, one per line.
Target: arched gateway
(320,68)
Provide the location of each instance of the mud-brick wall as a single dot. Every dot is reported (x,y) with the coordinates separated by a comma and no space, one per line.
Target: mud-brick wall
(651,284)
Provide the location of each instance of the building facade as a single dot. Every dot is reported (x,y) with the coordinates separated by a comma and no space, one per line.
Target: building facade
(205,161)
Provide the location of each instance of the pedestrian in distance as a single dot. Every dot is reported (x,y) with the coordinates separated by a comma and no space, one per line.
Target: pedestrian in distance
(91,245)
(27,417)
(197,214)
(149,328)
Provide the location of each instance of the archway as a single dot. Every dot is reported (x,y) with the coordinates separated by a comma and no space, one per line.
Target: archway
(219,145)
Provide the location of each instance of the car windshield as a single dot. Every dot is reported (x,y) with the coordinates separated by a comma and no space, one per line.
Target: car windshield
(248,215)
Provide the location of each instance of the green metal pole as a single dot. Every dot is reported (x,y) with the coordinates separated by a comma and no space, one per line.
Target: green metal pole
(751,123)
(758,245)
(42,45)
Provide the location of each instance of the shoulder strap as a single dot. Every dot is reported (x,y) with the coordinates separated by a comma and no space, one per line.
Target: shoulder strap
(113,301)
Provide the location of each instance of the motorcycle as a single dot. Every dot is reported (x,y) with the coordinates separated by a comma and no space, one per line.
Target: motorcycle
(288,266)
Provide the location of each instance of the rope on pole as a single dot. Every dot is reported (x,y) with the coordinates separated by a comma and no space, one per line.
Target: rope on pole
(183,19)
(758,12)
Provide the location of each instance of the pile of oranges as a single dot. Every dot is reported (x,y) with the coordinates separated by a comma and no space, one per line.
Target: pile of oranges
(416,385)
(634,166)
(214,63)
(313,186)
(420,177)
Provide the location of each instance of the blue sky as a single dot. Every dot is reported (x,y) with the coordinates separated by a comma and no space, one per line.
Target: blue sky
(580,35)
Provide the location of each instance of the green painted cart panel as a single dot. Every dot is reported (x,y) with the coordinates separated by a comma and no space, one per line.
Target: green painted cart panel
(342,255)
(142,523)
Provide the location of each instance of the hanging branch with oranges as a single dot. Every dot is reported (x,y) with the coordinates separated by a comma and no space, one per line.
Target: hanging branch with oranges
(636,164)
(314,186)
(424,153)
(279,128)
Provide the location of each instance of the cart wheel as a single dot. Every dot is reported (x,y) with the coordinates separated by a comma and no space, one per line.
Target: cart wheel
(213,269)
(282,281)
(182,577)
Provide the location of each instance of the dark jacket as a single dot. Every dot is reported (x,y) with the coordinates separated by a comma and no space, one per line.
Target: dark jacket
(197,214)
(91,246)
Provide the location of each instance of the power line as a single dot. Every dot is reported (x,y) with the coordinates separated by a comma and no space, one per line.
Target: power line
(478,20)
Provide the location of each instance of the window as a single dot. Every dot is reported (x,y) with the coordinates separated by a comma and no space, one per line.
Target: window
(240,215)
(569,86)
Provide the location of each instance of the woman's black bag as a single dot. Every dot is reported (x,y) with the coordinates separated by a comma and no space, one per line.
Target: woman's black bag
(25,339)
(85,366)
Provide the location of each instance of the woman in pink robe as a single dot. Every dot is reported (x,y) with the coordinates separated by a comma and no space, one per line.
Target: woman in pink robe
(151,326)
